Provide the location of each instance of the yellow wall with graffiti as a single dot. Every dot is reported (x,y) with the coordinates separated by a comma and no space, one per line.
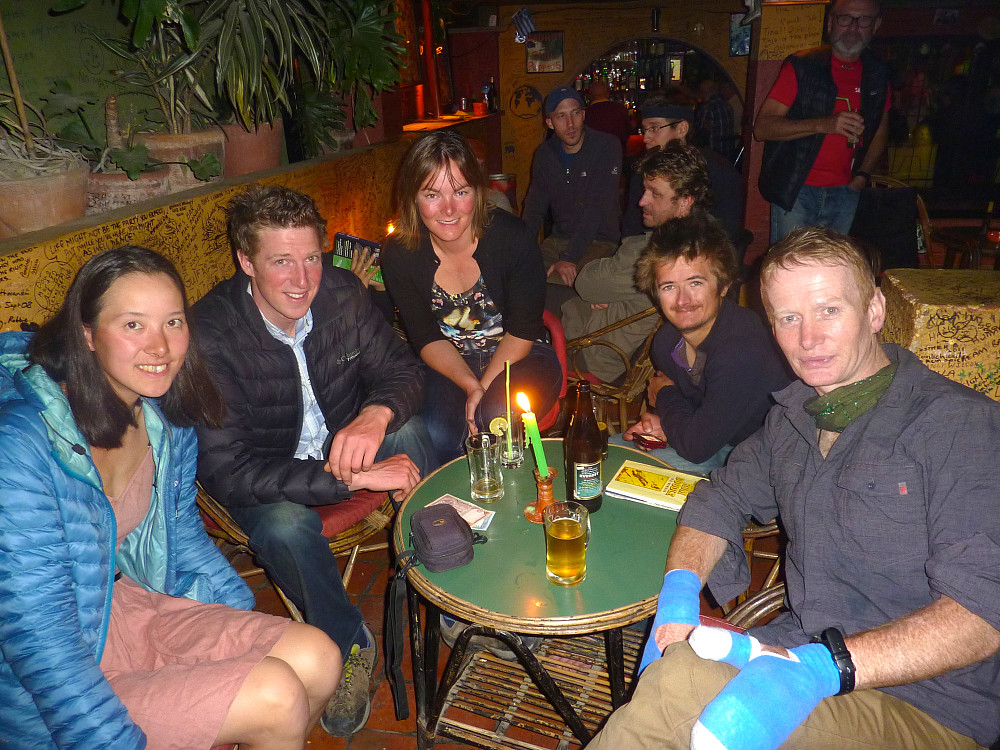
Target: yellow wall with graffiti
(353,192)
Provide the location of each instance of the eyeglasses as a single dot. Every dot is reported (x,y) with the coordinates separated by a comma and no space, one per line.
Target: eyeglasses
(654,129)
(864,22)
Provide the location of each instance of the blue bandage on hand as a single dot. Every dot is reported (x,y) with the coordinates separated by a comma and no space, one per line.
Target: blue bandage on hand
(678,602)
(767,700)
(719,644)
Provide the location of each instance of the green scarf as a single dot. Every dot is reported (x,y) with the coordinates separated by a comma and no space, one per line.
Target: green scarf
(835,410)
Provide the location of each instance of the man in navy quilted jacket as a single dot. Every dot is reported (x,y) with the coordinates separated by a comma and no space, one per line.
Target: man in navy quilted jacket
(321,400)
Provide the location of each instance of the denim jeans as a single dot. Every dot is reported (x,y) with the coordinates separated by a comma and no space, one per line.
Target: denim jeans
(538,375)
(287,541)
(832,207)
(670,456)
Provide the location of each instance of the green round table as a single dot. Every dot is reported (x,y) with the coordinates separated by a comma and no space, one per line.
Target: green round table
(504,591)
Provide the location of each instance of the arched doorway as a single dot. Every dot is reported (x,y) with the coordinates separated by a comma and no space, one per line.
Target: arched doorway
(638,66)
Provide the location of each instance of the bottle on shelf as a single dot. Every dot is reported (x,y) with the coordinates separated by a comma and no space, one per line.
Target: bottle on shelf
(583,448)
(987,222)
(493,97)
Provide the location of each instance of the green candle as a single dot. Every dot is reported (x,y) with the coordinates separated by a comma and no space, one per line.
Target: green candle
(531,431)
(510,424)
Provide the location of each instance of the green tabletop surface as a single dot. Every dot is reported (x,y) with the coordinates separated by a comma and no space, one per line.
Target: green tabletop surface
(505,585)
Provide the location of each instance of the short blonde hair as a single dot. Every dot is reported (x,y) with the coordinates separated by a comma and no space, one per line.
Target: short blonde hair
(427,157)
(819,246)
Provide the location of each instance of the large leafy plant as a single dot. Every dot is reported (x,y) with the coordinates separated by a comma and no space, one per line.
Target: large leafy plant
(251,47)
(366,53)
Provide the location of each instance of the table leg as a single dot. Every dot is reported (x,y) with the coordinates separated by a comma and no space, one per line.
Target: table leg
(543,681)
(421,692)
(616,665)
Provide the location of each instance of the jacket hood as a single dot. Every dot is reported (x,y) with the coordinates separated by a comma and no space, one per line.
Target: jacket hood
(33,386)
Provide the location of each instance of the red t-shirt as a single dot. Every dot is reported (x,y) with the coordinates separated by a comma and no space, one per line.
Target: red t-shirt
(834,163)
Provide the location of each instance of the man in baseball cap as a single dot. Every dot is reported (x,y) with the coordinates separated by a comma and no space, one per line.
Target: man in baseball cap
(575,176)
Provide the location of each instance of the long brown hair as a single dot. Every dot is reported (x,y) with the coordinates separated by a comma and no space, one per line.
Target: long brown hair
(427,158)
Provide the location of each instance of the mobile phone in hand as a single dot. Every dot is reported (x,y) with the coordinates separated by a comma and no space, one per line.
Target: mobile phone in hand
(648,442)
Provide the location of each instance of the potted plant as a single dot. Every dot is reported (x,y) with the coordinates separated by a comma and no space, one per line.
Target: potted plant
(41,182)
(364,58)
(249,48)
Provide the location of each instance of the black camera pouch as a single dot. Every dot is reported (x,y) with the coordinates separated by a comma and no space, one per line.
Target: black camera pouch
(440,540)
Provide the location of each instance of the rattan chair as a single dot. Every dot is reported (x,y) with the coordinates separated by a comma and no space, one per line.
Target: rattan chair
(751,534)
(638,368)
(347,524)
(758,606)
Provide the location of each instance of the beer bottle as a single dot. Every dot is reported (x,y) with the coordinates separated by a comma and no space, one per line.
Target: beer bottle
(582,448)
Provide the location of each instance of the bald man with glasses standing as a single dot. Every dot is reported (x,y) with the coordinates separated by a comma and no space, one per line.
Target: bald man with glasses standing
(824,125)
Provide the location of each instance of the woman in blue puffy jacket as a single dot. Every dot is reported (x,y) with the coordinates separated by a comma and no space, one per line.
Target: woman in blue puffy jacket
(121,623)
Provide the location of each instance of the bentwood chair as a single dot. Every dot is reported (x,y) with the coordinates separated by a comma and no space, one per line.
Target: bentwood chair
(752,534)
(347,524)
(757,607)
(638,367)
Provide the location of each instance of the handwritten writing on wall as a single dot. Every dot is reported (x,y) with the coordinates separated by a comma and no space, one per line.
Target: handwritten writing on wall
(353,193)
(785,29)
(950,320)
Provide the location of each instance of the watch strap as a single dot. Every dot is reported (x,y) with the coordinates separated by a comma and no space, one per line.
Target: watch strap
(833,639)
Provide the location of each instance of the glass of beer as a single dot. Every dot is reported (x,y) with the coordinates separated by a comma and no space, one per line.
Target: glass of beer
(486,480)
(567,534)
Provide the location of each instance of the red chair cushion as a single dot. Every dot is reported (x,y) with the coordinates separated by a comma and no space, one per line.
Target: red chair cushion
(559,344)
(343,515)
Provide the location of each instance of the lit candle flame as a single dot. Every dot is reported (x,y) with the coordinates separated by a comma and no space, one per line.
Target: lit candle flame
(522,401)
(390,229)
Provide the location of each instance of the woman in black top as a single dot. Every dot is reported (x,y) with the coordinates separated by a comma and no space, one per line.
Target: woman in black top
(470,287)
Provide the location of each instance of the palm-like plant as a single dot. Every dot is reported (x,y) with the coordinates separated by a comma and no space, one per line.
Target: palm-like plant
(366,53)
(251,45)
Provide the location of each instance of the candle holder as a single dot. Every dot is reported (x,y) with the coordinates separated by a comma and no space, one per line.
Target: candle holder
(533,512)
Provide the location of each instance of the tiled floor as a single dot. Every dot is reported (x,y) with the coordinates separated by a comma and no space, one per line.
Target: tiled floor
(367,588)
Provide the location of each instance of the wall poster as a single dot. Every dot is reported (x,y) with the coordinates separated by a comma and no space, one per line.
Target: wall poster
(544,52)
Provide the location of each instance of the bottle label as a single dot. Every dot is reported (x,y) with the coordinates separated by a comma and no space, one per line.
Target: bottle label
(586,480)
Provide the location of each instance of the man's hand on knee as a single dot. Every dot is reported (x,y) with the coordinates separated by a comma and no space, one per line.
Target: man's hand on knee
(676,614)
(354,447)
(394,473)
(773,693)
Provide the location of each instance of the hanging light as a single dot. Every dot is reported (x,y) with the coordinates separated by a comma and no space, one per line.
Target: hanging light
(654,17)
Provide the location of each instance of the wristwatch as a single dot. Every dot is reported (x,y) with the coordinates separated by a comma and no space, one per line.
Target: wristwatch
(833,639)
(862,173)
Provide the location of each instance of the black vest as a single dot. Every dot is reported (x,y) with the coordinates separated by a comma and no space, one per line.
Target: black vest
(786,164)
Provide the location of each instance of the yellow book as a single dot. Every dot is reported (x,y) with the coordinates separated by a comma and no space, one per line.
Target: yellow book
(653,485)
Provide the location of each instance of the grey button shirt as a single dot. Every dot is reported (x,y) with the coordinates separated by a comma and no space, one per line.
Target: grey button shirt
(904,509)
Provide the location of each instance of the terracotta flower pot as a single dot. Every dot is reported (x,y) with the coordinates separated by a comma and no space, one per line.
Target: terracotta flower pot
(252,152)
(169,147)
(40,202)
(114,190)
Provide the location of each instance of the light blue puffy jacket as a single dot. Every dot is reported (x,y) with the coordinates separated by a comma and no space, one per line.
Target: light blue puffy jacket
(57,562)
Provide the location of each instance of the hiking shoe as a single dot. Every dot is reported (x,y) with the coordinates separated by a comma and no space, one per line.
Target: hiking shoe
(348,709)
(452,628)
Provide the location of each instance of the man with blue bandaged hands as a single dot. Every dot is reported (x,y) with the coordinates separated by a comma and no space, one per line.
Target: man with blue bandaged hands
(884,477)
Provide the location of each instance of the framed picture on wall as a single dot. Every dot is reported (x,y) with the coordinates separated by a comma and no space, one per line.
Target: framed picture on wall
(543,52)
(739,35)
